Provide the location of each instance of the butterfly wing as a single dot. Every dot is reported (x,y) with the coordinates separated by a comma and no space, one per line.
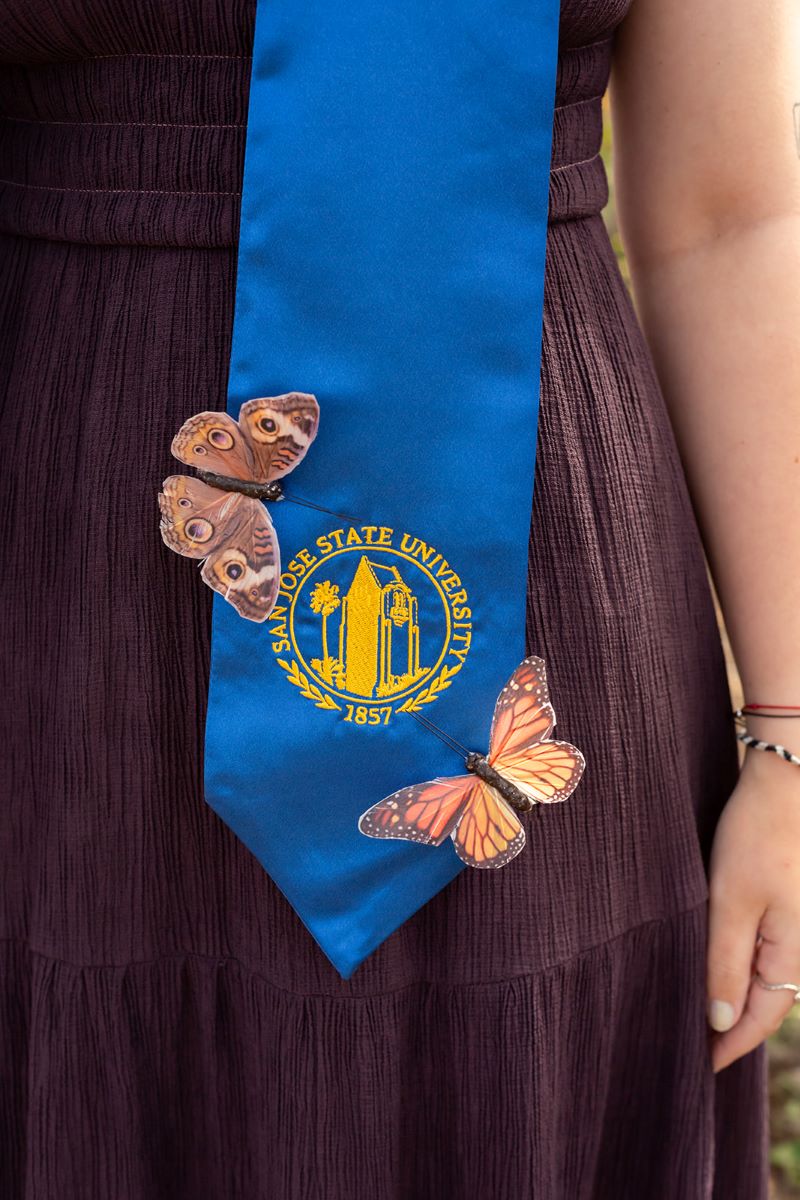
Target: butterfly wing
(234,535)
(523,713)
(214,442)
(193,515)
(520,747)
(246,570)
(547,772)
(485,831)
(426,812)
(489,833)
(279,431)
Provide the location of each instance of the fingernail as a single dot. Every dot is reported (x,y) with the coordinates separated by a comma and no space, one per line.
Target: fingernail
(720,1015)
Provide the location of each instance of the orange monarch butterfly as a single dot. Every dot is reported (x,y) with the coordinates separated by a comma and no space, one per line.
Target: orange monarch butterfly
(523,768)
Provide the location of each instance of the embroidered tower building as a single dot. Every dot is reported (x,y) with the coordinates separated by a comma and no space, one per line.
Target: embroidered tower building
(379,632)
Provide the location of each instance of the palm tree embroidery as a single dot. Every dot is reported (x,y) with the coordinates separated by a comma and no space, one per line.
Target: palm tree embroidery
(324,601)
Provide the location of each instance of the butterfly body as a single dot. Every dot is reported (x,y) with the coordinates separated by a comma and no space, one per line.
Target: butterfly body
(479,765)
(524,768)
(218,517)
(246,487)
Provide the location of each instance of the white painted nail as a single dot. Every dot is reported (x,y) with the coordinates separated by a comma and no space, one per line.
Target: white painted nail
(720,1015)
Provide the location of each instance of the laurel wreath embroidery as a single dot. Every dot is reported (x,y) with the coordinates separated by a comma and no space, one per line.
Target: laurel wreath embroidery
(307,689)
(431,692)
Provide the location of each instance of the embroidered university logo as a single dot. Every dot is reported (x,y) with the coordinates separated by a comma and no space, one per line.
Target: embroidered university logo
(370,622)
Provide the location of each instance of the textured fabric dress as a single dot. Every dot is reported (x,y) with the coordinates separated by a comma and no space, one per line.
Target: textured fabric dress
(167,1026)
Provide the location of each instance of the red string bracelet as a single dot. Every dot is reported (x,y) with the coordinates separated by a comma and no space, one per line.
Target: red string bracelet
(785,707)
(775,712)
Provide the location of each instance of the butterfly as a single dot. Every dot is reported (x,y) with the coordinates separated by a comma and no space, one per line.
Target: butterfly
(219,517)
(523,768)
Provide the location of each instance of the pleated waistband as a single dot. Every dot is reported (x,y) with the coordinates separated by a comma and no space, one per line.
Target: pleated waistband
(138,149)
(146,149)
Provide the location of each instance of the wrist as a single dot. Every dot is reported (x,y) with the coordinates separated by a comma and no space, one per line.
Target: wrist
(771,728)
(770,771)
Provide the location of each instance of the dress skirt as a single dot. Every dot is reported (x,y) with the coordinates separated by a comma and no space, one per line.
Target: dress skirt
(168,1029)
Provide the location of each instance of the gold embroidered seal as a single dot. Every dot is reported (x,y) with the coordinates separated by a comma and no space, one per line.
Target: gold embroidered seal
(370,622)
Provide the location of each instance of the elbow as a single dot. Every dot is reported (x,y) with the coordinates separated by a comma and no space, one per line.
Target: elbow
(672,221)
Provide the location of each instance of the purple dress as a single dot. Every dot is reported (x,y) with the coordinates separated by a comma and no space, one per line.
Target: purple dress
(168,1029)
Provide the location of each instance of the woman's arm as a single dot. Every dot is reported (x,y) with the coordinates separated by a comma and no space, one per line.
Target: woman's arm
(707,173)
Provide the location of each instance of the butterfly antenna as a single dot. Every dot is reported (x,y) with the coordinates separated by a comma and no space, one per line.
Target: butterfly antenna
(310,504)
(449,741)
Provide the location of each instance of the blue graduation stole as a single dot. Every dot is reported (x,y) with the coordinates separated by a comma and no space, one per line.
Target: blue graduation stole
(391,262)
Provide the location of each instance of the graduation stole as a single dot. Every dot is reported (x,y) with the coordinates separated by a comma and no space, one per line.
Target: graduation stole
(391,264)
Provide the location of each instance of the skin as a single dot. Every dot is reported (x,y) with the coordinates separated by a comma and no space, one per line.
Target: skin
(707,175)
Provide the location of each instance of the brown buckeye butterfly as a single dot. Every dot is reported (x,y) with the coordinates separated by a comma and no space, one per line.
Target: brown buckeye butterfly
(219,516)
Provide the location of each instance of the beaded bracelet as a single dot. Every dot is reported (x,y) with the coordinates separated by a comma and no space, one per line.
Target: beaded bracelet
(755,744)
(740,716)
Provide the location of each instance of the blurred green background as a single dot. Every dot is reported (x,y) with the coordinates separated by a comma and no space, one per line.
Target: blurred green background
(784,1047)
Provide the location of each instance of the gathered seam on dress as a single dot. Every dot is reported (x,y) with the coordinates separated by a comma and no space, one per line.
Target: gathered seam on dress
(565,166)
(118,124)
(156,54)
(573,103)
(223,960)
(47,187)
(51,187)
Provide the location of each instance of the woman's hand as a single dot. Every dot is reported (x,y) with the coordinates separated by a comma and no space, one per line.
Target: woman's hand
(711,225)
(755,890)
